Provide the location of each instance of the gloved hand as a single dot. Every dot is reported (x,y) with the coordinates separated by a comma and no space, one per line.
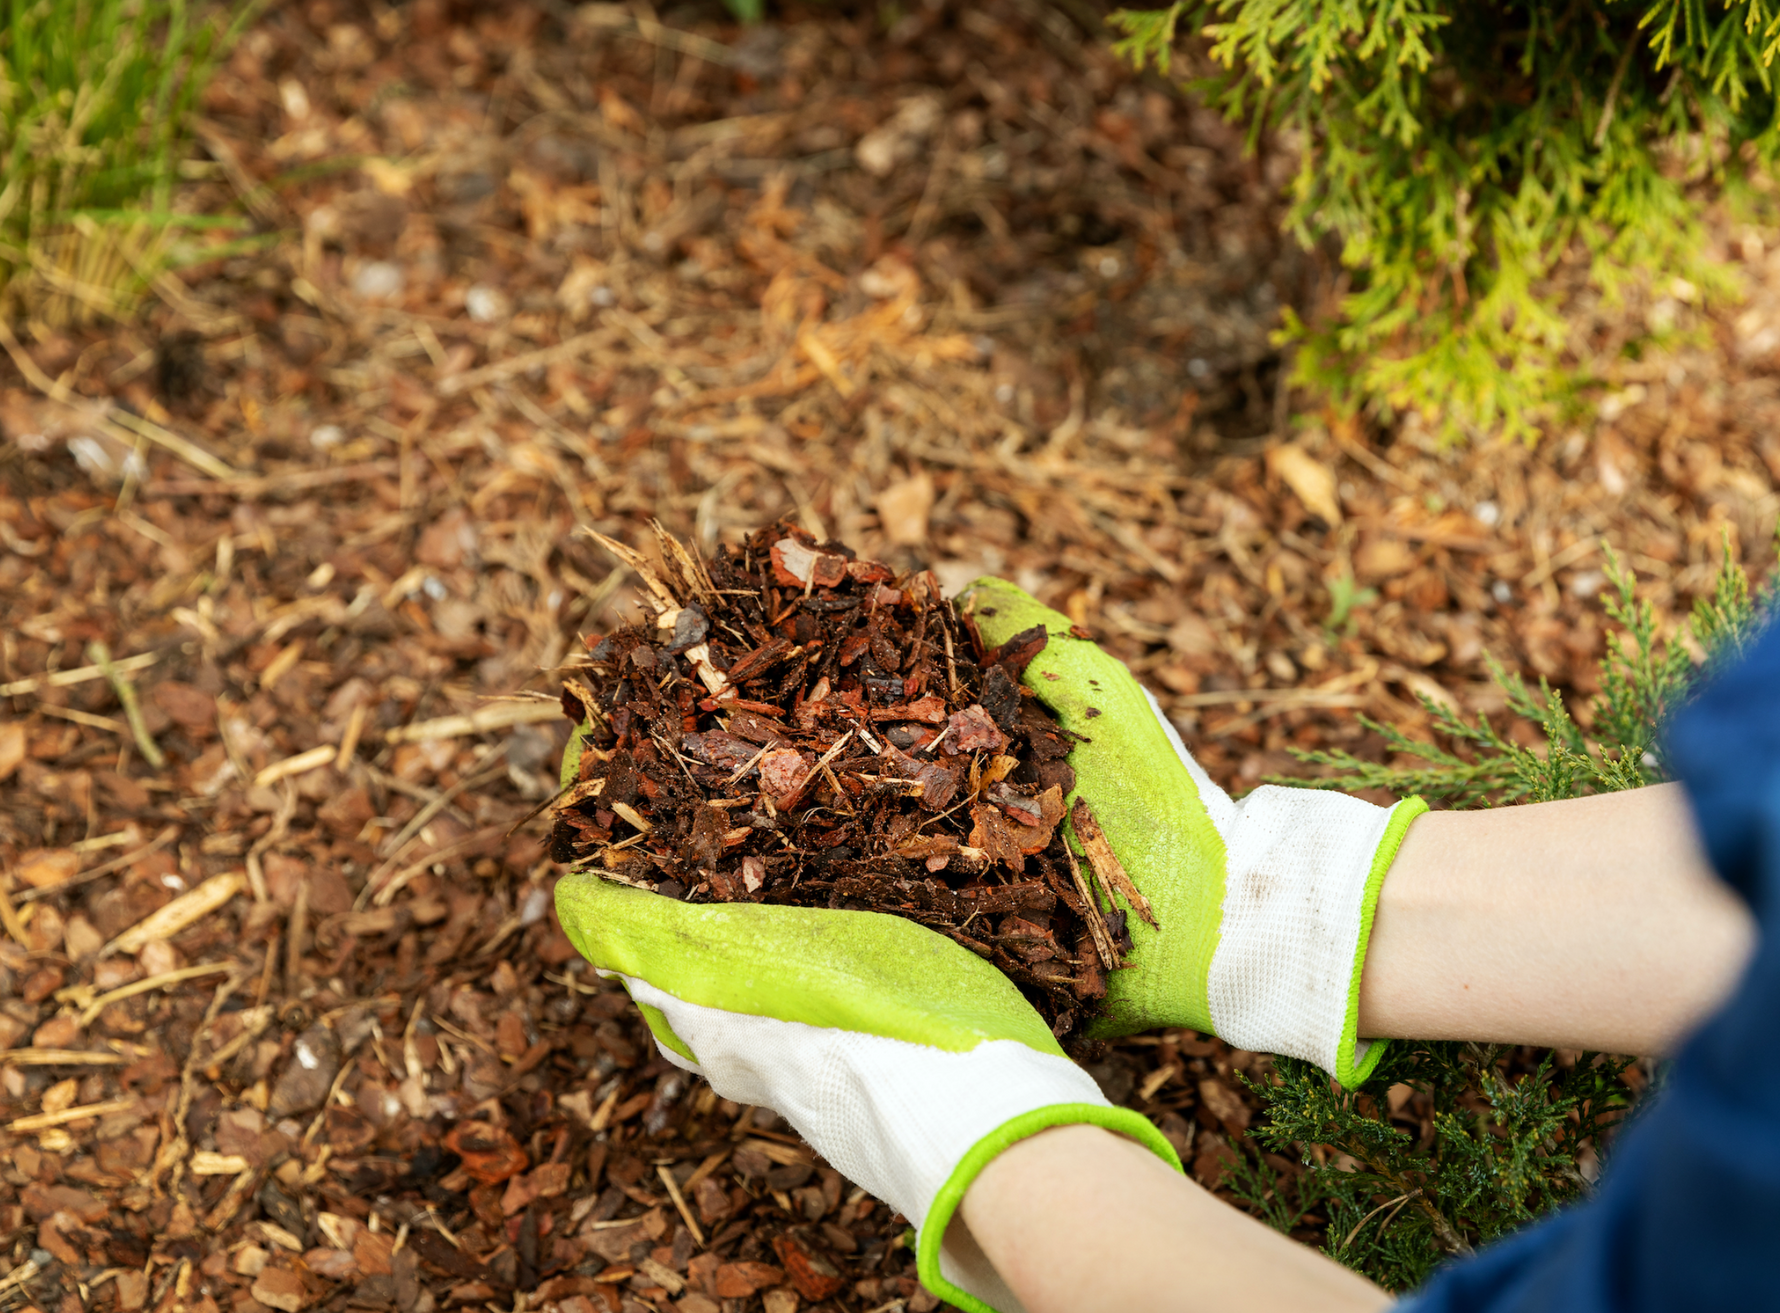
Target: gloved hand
(1263,907)
(905,1060)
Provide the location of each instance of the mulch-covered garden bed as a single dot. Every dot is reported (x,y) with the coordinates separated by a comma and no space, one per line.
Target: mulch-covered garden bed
(290,570)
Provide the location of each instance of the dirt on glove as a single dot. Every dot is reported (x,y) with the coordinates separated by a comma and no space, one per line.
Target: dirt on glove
(800,727)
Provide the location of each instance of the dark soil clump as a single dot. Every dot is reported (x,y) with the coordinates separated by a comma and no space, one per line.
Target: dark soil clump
(801,727)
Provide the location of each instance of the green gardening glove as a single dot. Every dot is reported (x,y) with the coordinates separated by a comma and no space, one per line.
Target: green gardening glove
(1263,907)
(907,1061)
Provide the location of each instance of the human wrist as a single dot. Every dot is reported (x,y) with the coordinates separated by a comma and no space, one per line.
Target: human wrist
(951,1258)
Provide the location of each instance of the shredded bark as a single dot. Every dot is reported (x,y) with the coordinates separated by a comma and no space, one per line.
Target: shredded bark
(797,726)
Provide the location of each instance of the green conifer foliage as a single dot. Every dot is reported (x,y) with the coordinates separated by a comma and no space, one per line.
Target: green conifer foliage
(1461,149)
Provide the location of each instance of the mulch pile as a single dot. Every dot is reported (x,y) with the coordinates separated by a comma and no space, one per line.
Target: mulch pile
(289,569)
(801,727)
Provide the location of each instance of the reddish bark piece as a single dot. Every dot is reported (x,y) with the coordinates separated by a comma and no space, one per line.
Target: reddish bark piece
(59,1032)
(42,1201)
(740,1280)
(930,710)
(974,731)
(45,867)
(334,1264)
(814,1276)
(1015,654)
(783,771)
(371,1251)
(751,664)
(1224,1104)
(802,566)
(724,751)
(870,572)
(490,1155)
(54,1234)
(279,1288)
(711,1200)
(185,705)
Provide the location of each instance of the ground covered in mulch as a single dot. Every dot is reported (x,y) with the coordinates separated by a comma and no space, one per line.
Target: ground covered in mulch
(289,569)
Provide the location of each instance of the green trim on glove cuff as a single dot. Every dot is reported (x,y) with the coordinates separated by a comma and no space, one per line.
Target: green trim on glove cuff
(1124,1121)
(859,971)
(1348,1072)
(1145,801)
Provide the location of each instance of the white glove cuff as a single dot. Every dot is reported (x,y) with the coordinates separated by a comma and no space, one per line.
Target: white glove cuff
(1301,879)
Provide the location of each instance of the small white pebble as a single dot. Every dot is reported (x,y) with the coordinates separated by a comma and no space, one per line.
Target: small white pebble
(306,1055)
(601,296)
(1501,591)
(1004,393)
(378,280)
(1488,513)
(484,304)
(1587,584)
(434,589)
(325,436)
(1109,266)
(1198,367)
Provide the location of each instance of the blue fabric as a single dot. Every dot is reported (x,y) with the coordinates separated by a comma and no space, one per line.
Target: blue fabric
(1688,1213)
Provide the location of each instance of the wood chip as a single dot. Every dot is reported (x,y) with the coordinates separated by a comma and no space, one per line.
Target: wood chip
(1105,862)
(302,763)
(185,910)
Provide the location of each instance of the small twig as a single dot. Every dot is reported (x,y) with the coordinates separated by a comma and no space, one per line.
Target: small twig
(44,1120)
(97,1005)
(189,907)
(61,1058)
(79,675)
(1625,58)
(502,715)
(425,815)
(1103,944)
(100,655)
(1395,1205)
(673,1188)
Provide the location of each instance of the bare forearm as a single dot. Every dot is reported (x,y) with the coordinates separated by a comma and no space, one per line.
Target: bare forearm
(1590,923)
(1078,1219)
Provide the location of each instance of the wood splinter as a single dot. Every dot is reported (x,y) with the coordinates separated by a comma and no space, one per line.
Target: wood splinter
(1105,862)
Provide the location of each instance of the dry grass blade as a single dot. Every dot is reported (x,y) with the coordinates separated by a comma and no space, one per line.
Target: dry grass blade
(639,565)
(79,675)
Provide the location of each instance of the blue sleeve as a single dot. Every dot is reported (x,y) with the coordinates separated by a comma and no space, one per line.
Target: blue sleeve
(1688,1213)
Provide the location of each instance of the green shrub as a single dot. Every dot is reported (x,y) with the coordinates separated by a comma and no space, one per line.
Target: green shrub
(1462,152)
(96,100)
(1508,1142)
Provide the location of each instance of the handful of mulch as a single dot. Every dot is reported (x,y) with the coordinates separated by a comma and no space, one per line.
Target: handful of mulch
(801,727)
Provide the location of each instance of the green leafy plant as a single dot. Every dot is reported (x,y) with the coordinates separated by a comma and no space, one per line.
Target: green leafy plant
(1344,596)
(1480,161)
(1509,1138)
(96,102)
